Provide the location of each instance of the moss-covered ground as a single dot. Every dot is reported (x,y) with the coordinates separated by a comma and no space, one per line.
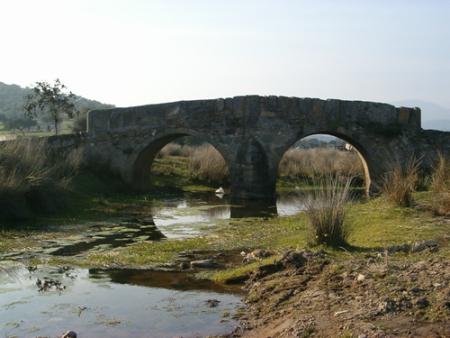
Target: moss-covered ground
(373,225)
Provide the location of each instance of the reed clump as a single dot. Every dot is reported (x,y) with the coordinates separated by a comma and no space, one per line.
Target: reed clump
(440,186)
(400,182)
(325,209)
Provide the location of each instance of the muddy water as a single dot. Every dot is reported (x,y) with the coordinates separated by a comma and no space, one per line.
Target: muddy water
(125,303)
(112,304)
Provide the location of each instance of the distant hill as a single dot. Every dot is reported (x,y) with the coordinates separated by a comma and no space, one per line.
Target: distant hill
(12,99)
(434,116)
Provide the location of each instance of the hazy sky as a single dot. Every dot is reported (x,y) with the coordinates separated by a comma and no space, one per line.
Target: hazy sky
(138,52)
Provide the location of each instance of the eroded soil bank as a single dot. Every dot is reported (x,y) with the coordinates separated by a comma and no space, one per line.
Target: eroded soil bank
(371,295)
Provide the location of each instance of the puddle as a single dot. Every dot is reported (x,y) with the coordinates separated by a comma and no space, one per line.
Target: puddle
(116,303)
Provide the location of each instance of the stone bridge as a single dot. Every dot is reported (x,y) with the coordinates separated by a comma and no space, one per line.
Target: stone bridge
(253,132)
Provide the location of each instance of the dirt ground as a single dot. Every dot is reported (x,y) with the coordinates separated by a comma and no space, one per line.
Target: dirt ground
(369,295)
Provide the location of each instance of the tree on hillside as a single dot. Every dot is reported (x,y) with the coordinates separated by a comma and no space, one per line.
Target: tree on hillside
(50,101)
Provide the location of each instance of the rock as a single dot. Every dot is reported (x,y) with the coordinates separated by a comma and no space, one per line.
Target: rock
(236,279)
(422,303)
(387,306)
(294,259)
(69,334)
(220,191)
(337,313)
(255,255)
(360,277)
(204,264)
(184,265)
(398,248)
(416,290)
(266,270)
(212,302)
(431,245)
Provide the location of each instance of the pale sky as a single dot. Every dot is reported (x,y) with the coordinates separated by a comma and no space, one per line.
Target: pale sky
(139,52)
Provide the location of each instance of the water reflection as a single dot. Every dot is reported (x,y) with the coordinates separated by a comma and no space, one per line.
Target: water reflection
(175,280)
(112,304)
(209,206)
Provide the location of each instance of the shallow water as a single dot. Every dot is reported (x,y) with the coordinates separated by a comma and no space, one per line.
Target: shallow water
(128,303)
(113,304)
(191,214)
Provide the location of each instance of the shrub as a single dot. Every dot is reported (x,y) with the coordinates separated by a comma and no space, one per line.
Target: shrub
(32,179)
(325,210)
(400,182)
(440,186)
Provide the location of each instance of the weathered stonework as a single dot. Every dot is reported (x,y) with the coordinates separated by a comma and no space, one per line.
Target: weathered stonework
(252,133)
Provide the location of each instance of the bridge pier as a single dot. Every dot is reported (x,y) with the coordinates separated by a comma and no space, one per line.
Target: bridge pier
(250,176)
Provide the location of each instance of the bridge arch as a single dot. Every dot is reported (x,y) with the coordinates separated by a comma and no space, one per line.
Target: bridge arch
(360,150)
(143,159)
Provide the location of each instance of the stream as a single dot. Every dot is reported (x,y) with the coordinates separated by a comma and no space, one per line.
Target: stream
(49,300)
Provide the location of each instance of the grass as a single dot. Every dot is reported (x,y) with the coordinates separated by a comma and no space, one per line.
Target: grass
(220,276)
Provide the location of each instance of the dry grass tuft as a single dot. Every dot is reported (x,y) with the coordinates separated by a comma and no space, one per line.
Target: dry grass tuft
(440,186)
(401,181)
(31,178)
(325,210)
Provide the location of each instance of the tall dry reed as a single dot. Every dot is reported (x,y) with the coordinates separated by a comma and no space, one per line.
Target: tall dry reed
(401,181)
(325,210)
(31,178)
(301,163)
(440,186)
(207,164)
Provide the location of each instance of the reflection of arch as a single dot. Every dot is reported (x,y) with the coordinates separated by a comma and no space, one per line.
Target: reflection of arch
(144,160)
(360,151)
